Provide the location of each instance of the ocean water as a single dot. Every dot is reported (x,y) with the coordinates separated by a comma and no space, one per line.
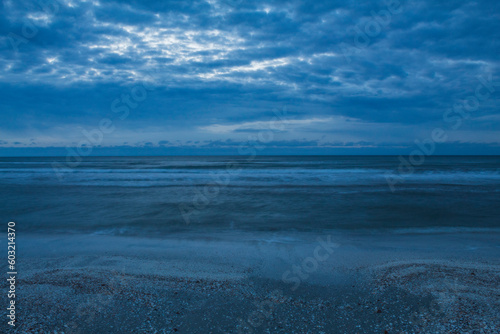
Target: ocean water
(158,195)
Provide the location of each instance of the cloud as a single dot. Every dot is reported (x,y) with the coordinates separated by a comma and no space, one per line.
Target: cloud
(273,125)
(218,67)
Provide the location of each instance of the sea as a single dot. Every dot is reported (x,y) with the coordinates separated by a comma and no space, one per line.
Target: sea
(155,196)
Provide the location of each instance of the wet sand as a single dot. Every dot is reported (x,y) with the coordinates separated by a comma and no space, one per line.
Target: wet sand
(259,283)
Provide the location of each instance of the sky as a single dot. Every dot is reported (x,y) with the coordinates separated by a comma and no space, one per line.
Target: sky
(144,77)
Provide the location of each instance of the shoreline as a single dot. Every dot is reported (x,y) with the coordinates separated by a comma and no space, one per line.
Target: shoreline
(412,283)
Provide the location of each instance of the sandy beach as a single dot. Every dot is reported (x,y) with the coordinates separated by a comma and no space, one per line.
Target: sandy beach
(246,167)
(259,283)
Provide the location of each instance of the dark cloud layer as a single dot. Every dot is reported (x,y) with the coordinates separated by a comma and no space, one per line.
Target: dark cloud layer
(383,73)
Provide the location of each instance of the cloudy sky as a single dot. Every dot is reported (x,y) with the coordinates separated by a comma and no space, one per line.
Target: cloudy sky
(182,77)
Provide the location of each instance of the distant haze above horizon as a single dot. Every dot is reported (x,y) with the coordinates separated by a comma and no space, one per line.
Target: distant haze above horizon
(222,76)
